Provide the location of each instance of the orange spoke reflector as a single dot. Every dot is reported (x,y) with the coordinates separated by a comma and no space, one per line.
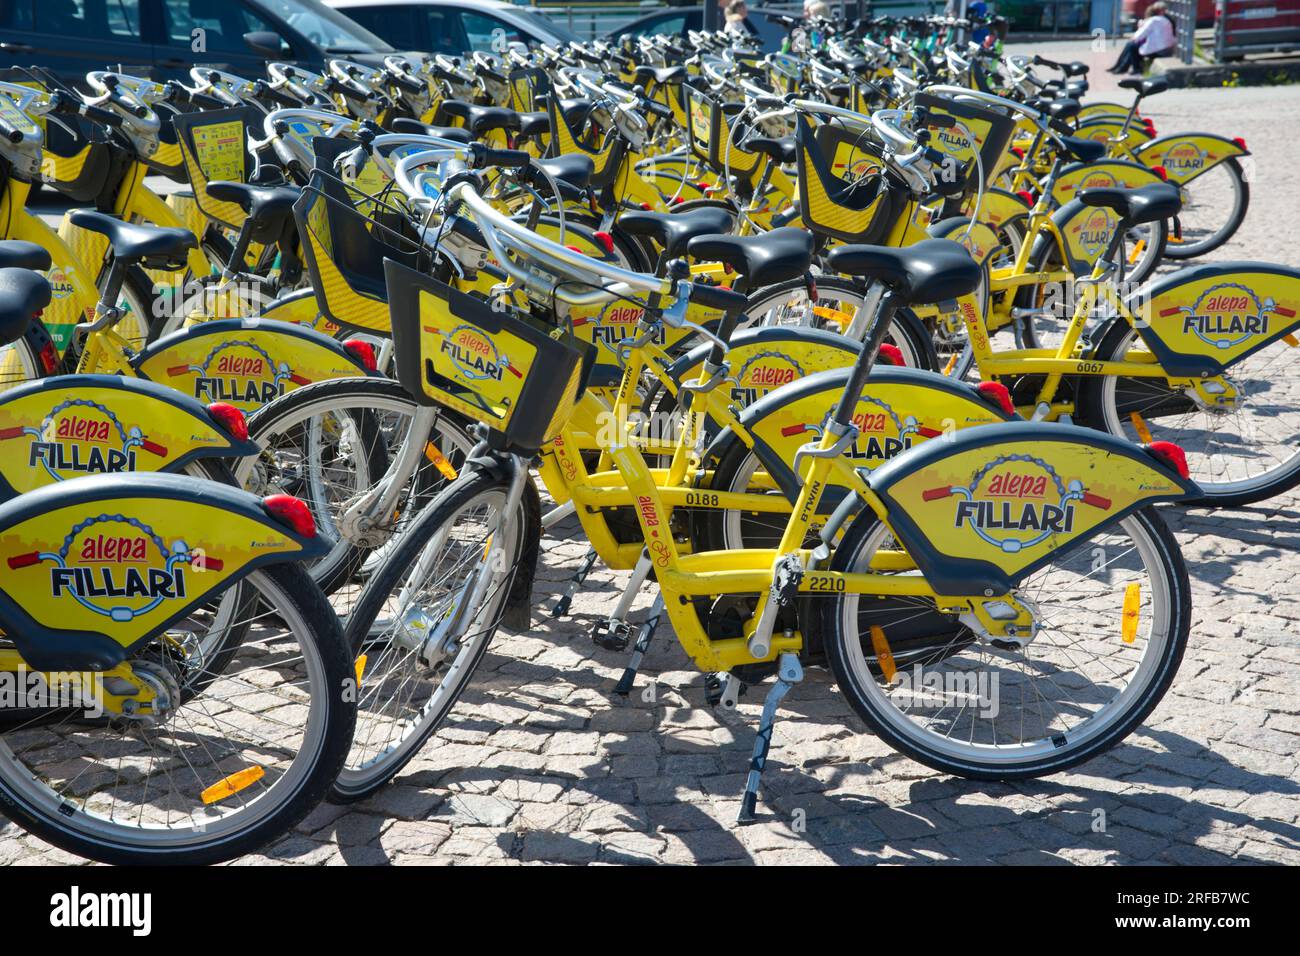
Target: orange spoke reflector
(1140,426)
(1291,340)
(1137,250)
(952,364)
(883,653)
(832,315)
(435,455)
(1132,608)
(361,667)
(232,785)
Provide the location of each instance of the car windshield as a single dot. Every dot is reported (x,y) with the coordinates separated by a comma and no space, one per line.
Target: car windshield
(549,24)
(327,28)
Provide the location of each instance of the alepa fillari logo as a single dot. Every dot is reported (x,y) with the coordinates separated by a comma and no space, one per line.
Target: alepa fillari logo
(1017,501)
(1227,315)
(117,566)
(240,371)
(1095,228)
(475,355)
(82,437)
(763,372)
(873,421)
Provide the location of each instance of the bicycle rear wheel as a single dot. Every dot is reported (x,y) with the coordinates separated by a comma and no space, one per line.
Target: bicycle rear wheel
(219,773)
(932,689)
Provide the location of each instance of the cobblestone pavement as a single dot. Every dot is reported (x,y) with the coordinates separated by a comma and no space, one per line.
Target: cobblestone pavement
(542,763)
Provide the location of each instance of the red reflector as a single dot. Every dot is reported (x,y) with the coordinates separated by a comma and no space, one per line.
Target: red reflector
(1161,172)
(1020,153)
(676,201)
(363,352)
(646,207)
(1026,195)
(230,418)
(606,242)
(996,394)
(291,512)
(575,249)
(1240,141)
(892,354)
(703,186)
(49,358)
(1172,455)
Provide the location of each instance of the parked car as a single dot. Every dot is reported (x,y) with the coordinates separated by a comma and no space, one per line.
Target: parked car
(164,38)
(454,27)
(676,21)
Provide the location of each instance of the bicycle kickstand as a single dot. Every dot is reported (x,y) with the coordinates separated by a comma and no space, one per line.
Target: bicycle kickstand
(647,631)
(561,607)
(788,673)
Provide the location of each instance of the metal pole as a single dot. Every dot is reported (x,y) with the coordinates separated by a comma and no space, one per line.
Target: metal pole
(711,17)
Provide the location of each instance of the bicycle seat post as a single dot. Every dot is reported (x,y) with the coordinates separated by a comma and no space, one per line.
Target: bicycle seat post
(875,335)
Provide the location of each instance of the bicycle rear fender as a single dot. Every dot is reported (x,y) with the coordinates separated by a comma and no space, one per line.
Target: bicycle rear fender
(1103,108)
(1103,173)
(899,409)
(72,288)
(997,206)
(1086,232)
(70,426)
(1102,128)
(1187,155)
(1202,320)
(982,511)
(94,567)
(980,241)
(764,359)
(246,362)
(301,308)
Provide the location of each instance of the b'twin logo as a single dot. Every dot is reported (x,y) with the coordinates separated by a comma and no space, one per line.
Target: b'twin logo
(78,910)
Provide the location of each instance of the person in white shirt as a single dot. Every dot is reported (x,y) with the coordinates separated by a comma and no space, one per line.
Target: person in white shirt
(1154,37)
(736,14)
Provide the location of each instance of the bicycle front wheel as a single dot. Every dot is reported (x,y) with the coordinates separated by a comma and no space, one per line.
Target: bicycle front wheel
(455,564)
(934,690)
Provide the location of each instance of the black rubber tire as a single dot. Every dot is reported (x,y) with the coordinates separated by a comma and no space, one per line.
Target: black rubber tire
(1177,251)
(1181,605)
(295,586)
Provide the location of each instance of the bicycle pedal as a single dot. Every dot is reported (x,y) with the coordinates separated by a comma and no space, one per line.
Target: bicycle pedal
(723,690)
(612,635)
